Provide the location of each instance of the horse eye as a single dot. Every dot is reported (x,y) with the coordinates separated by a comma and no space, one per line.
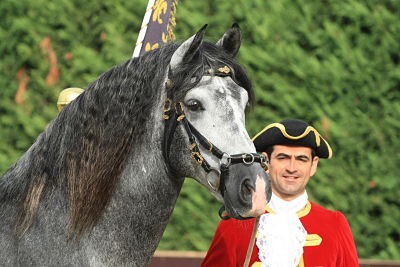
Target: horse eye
(194,105)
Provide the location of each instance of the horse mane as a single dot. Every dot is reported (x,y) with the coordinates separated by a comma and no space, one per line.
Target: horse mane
(84,150)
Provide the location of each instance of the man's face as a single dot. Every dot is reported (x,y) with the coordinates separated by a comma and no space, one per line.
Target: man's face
(290,169)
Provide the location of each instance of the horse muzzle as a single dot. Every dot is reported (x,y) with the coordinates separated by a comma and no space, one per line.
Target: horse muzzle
(246,191)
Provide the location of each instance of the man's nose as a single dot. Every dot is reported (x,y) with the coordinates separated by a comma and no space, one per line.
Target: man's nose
(291,167)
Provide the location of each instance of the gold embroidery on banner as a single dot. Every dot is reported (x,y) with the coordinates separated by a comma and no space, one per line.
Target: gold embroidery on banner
(160,8)
(172,21)
(149,47)
(164,38)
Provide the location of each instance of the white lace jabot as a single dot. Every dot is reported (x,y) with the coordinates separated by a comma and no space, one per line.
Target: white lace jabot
(281,235)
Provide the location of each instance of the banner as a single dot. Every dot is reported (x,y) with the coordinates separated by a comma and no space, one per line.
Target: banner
(157,26)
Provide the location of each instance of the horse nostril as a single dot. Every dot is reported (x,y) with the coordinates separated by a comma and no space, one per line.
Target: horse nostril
(246,190)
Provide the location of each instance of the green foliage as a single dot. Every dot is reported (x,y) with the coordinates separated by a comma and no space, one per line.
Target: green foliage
(334,64)
(87,38)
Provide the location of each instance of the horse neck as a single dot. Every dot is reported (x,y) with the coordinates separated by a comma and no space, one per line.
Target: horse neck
(141,205)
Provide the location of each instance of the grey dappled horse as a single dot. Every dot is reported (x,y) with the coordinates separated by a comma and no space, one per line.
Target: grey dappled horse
(99,184)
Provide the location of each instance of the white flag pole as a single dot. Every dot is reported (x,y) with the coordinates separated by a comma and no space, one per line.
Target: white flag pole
(143,28)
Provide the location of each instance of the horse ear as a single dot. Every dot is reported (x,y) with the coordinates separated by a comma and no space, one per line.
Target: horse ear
(231,40)
(188,49)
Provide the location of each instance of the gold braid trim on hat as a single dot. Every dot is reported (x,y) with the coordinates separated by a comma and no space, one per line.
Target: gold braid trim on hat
(309,129)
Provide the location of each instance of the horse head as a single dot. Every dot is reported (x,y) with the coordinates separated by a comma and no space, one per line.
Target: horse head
(205,124)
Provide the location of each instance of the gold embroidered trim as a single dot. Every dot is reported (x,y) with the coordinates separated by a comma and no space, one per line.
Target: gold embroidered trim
(305,211)
(301,213)
(313,240)
(301,263)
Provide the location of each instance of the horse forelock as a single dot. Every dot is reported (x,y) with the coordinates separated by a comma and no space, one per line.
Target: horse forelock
(210,56)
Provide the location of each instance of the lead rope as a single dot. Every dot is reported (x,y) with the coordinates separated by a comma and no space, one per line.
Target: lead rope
(251,243)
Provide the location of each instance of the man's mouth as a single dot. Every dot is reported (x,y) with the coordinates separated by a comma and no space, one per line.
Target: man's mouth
(290,177)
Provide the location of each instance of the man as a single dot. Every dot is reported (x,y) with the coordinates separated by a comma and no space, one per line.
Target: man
(293,231)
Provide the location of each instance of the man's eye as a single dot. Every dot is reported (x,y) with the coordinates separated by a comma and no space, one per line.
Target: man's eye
(194,105)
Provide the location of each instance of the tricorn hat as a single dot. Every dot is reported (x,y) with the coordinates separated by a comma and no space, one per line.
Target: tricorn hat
(292,132)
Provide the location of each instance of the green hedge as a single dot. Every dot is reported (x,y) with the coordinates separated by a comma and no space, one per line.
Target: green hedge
(334,64)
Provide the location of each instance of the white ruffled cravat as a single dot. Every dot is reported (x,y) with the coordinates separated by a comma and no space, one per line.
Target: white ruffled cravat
(281,236)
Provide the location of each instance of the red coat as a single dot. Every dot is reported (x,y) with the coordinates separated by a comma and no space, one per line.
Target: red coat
(329,241)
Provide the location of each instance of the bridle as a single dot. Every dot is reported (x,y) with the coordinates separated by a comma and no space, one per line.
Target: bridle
(174,113)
